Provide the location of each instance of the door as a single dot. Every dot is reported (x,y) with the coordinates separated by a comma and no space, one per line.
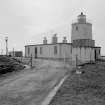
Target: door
(95,55)
(35,52)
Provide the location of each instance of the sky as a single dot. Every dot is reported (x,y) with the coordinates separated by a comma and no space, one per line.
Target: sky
(28,21)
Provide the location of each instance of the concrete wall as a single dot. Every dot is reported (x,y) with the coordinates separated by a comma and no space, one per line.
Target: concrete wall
(48,51)
(81,31)
(30,52)
(83,54)
(63,51)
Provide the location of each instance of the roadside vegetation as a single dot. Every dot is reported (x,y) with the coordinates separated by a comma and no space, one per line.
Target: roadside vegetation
(87,88)
(8,64)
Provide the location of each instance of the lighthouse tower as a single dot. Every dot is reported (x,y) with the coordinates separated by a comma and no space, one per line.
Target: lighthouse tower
(82,32)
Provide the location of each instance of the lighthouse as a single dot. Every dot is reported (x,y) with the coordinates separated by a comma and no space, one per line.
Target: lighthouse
(81,34)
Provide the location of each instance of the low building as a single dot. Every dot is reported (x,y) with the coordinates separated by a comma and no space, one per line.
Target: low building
(16,53)
(50,51)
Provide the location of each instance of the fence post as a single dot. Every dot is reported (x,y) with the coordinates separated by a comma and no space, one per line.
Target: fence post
(31,60)
(76,60)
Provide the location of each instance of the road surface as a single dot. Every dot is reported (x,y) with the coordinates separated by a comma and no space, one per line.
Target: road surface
(30,87)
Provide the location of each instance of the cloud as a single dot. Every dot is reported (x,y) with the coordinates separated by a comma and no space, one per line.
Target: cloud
(26,20)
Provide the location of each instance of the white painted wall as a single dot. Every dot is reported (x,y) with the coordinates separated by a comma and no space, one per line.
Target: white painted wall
(30,52)
(84,54)
(48,51)
(84,31)
(63,51)
(92,54)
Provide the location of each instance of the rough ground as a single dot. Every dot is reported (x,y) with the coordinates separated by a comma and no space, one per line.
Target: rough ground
(8,64)
(30,87)
(87,88)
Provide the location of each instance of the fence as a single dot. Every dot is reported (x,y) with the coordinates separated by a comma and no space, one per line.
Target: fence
(32,62)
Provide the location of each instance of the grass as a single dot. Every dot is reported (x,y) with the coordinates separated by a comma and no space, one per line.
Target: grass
(85,89)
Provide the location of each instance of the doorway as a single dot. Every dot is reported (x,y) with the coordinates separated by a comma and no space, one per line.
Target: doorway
(95,55)
(35,52)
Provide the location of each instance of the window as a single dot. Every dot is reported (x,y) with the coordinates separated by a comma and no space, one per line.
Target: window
(55,49)
(76,28)
(41,48)
(28,50)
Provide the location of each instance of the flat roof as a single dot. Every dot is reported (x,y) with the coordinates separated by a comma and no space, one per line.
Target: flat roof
(48,44)
(87,46)
(97,47)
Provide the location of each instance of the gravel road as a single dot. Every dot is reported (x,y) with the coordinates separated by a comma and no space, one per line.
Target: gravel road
(29,87)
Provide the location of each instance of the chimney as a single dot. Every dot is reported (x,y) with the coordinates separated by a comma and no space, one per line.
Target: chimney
(45,40)
(54,39)
(64,40)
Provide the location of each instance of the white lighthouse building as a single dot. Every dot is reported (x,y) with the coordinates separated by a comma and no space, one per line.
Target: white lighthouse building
(82,32)
(81,29)
(82,46)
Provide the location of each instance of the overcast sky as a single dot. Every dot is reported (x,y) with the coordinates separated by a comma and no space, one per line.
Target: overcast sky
(28,21)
